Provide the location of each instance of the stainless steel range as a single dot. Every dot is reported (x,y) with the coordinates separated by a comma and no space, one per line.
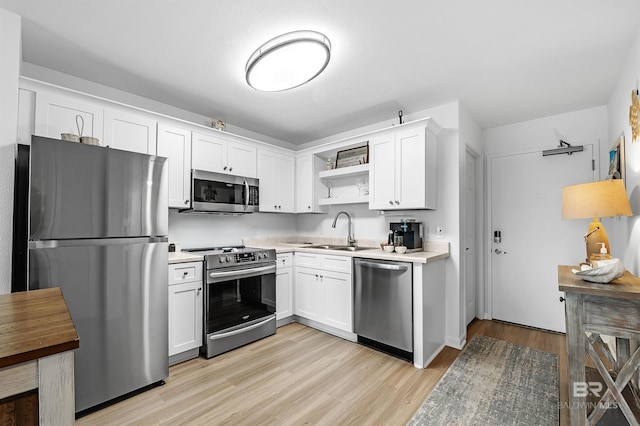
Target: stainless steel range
(239,297)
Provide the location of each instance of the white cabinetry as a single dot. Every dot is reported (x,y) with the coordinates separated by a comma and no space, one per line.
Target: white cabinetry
(220,154)
(307,185)
(276,174)
(402,174)
(185,310)
(175,144)
(56,114)
(129,131)
(284,286)
(323,290)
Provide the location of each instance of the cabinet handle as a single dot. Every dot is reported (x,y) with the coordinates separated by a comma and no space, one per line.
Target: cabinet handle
(230,168)
(186,202)
(397,202)
(224,168)
(321,277)
(275,207)
(199,290)
(185,273)
(279,207)
(391,202)
(562,299)
(316,276)
(309,207)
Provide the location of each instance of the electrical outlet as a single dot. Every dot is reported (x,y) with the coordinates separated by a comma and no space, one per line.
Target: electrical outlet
(439,232)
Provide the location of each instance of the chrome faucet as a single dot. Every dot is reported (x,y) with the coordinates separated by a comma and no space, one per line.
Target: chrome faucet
(351,242)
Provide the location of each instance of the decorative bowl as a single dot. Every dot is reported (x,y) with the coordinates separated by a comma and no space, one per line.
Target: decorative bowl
(603,274)
(388,248)
(401,249)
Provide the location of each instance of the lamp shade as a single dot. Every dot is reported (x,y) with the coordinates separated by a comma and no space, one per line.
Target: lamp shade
(605,198)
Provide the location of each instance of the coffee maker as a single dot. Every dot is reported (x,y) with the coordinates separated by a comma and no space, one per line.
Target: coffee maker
(407,233)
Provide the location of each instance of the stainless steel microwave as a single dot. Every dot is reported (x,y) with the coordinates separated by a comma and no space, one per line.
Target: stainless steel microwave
(222,193)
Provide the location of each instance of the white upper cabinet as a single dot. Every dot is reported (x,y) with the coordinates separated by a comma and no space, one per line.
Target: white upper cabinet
(56,114)
(308,187)
(129,131)
(222,155)
(276,174)
(175,144)
(402,174)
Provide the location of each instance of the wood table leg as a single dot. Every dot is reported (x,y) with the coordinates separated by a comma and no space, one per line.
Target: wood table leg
(576,341)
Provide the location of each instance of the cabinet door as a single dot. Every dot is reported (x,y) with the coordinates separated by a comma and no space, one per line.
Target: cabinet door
(284,293)
(209,153)
(308,293)
(338,300)
(285,187)
(57,114)
(267,174)
(382,173)
(410,168)
(129,132)
(185,317)
(175,144)
(242,159)
(304,185)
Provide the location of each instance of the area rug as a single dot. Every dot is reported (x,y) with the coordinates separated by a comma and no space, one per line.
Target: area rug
(493,382)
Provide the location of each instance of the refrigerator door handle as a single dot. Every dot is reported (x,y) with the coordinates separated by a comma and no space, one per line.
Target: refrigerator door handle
(43,244)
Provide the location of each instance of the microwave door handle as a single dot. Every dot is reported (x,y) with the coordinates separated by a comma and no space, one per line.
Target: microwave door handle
(246,194)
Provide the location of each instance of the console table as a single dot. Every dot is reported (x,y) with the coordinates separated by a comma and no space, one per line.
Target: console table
(37,338)
(592,310)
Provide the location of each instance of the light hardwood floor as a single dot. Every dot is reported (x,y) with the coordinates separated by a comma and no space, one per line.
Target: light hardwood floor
(304,376)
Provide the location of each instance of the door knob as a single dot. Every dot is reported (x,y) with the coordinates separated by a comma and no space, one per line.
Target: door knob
(498,251)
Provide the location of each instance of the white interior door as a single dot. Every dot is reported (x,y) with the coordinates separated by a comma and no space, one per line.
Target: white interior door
(470,238)
(525,197)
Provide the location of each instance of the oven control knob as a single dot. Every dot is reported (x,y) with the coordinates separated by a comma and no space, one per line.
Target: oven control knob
(222,259)
(229,259)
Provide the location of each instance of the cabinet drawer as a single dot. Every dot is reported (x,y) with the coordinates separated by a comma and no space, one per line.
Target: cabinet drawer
(308,260)
(185,272)
(337,263)
(285,260)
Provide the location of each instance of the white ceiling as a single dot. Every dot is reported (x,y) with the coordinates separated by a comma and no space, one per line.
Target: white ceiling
(505,60)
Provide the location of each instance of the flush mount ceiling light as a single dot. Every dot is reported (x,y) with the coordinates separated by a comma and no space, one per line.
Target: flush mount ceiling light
(288,61)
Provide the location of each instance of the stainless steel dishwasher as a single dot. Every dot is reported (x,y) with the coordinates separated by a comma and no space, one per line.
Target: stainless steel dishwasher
(383,305)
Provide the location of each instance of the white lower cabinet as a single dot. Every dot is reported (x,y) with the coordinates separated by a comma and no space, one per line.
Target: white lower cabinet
(185,310)
(321,294)
(284,286)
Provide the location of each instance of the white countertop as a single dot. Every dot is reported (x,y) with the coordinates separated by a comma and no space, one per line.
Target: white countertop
(183,256)
(432,255)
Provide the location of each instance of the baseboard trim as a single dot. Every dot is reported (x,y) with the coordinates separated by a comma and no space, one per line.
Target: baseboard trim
(456,342)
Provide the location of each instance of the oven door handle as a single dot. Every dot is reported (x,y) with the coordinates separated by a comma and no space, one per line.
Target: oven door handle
(240,330)
(244,273)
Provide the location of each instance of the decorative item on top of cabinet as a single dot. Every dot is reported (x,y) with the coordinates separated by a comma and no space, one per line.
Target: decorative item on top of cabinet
(402,174)
(185,311)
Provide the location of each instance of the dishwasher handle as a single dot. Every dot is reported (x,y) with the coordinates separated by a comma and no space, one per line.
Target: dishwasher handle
(376,265)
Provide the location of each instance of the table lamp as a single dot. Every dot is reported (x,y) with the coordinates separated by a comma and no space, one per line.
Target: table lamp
(605,198)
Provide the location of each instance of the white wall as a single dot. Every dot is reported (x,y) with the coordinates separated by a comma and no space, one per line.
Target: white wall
(210,230)
(10,58)
(624,233)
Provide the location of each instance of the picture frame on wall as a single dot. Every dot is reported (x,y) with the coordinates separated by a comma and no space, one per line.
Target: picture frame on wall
(617,160)
(353,156)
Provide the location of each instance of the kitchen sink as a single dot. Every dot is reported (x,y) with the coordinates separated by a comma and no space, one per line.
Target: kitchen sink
(338,247)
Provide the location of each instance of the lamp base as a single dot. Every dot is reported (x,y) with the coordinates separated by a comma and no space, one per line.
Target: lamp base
(595,236)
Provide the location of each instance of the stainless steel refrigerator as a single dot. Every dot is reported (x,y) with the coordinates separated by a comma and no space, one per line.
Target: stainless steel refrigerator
(96,226)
